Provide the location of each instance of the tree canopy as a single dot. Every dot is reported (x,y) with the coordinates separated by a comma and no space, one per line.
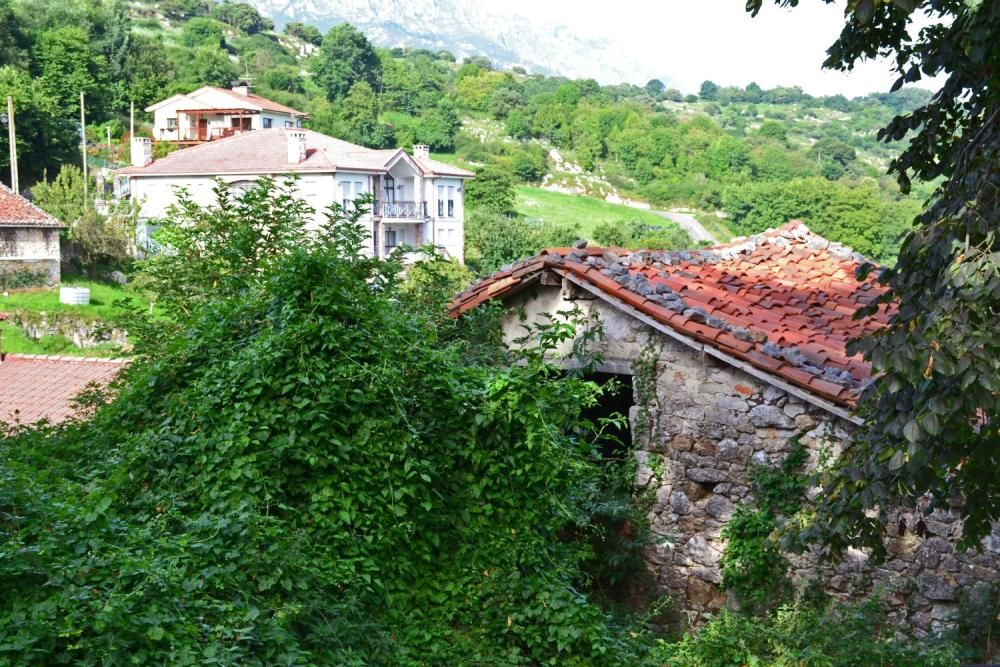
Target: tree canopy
(933,414)
(345,58)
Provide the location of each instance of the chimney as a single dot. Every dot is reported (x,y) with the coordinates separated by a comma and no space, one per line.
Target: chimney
(142,151)
(422,151)
(296,146)
(242,89)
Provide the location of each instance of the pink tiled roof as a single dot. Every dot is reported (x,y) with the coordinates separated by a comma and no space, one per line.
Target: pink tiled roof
(16,211)
(266,152)
(35,387)
(255,101)
(783,301)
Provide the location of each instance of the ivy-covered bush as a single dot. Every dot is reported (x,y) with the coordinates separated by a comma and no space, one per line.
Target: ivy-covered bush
(309,469)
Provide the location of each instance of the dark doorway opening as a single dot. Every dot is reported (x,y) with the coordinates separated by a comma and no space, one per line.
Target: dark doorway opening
(617,400)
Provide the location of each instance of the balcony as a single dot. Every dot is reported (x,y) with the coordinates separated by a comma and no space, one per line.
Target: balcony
(400,210)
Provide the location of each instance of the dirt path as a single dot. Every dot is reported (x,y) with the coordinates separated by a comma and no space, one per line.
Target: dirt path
(689,224)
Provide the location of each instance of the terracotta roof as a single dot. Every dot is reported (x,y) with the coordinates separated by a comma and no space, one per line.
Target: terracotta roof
(266,152)
(441,169)
(35,387)
(248,102)
(783,301)
(254,101)
(16,211)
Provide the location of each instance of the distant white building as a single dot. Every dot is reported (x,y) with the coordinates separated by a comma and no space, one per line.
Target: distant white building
(418,200)
(211,113)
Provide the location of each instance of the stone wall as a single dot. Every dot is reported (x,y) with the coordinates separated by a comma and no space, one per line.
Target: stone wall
(31,249)
(698,435)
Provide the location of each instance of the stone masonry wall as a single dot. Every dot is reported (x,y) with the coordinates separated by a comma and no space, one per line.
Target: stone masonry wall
(697,440)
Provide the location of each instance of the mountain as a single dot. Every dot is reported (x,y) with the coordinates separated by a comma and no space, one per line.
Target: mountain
(466,28)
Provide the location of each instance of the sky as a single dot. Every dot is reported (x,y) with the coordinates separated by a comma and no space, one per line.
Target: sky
(684,42)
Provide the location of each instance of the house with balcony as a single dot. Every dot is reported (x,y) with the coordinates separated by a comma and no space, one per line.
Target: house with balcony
(211,113)
(417,200)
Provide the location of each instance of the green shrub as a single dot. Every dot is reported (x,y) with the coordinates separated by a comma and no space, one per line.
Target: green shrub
(845,635)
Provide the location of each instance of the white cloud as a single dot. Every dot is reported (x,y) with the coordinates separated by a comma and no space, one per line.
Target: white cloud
(684,42)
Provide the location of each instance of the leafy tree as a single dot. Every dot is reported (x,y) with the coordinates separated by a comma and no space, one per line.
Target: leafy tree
(491,190)
(519,125)
(147,70)
(66,65)
(358,115)
(655,87)
(284,78)
(773,130)
(345,58)
(529,164)
(210,67)
(931,417)
(307,33)
(833,156)
(12,40)
(728,158)
(98,240)
(242,16)
(46,139)
(199,32)
(709,90)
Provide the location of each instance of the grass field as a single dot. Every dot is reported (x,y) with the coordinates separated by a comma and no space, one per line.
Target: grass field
(587,212)
(102,298)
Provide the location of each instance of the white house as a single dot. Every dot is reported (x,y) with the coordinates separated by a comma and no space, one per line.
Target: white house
(417,200)
(215,113)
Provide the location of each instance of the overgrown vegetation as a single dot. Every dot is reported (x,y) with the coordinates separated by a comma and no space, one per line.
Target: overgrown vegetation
(753,566)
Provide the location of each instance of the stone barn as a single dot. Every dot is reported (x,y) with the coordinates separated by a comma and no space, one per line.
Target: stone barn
(29,242)
(743,348)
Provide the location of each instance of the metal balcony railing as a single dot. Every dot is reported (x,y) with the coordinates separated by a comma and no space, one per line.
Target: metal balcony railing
(401,210)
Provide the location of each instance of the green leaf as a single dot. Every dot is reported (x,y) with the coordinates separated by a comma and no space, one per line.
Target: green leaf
(912,431)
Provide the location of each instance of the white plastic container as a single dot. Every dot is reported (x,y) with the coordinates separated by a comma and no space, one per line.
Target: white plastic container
(74,296)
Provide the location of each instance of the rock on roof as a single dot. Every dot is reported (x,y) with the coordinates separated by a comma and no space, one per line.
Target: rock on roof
(783,301)
(266,152)
(16,211)
(35,387)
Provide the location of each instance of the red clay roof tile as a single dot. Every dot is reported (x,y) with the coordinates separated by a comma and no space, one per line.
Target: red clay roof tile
(35,387)
(16,211)
(791,286)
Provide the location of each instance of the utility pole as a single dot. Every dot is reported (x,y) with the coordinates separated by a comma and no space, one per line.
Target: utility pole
(83,149)
(131,121)
(13,145)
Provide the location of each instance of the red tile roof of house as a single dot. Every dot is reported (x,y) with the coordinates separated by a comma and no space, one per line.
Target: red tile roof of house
(257,101)
(35,387)
(266,152)
(782,302)
(16,211)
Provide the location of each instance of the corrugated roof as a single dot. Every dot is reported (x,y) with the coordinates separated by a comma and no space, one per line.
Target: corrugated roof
(35,387)
(16,211)
(783,301)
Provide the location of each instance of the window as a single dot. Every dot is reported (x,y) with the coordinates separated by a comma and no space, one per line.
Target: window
(171,123)
(390,239)
(288,123)
(451,201)
(440,201)
(237,188)
(345,186)
(241,123)
(266,123)
(390,189)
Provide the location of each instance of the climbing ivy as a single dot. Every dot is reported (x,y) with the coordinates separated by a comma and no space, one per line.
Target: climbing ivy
(753,566)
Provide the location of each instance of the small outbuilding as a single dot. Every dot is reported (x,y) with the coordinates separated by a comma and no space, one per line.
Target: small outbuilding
(29,243)
(735,353)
